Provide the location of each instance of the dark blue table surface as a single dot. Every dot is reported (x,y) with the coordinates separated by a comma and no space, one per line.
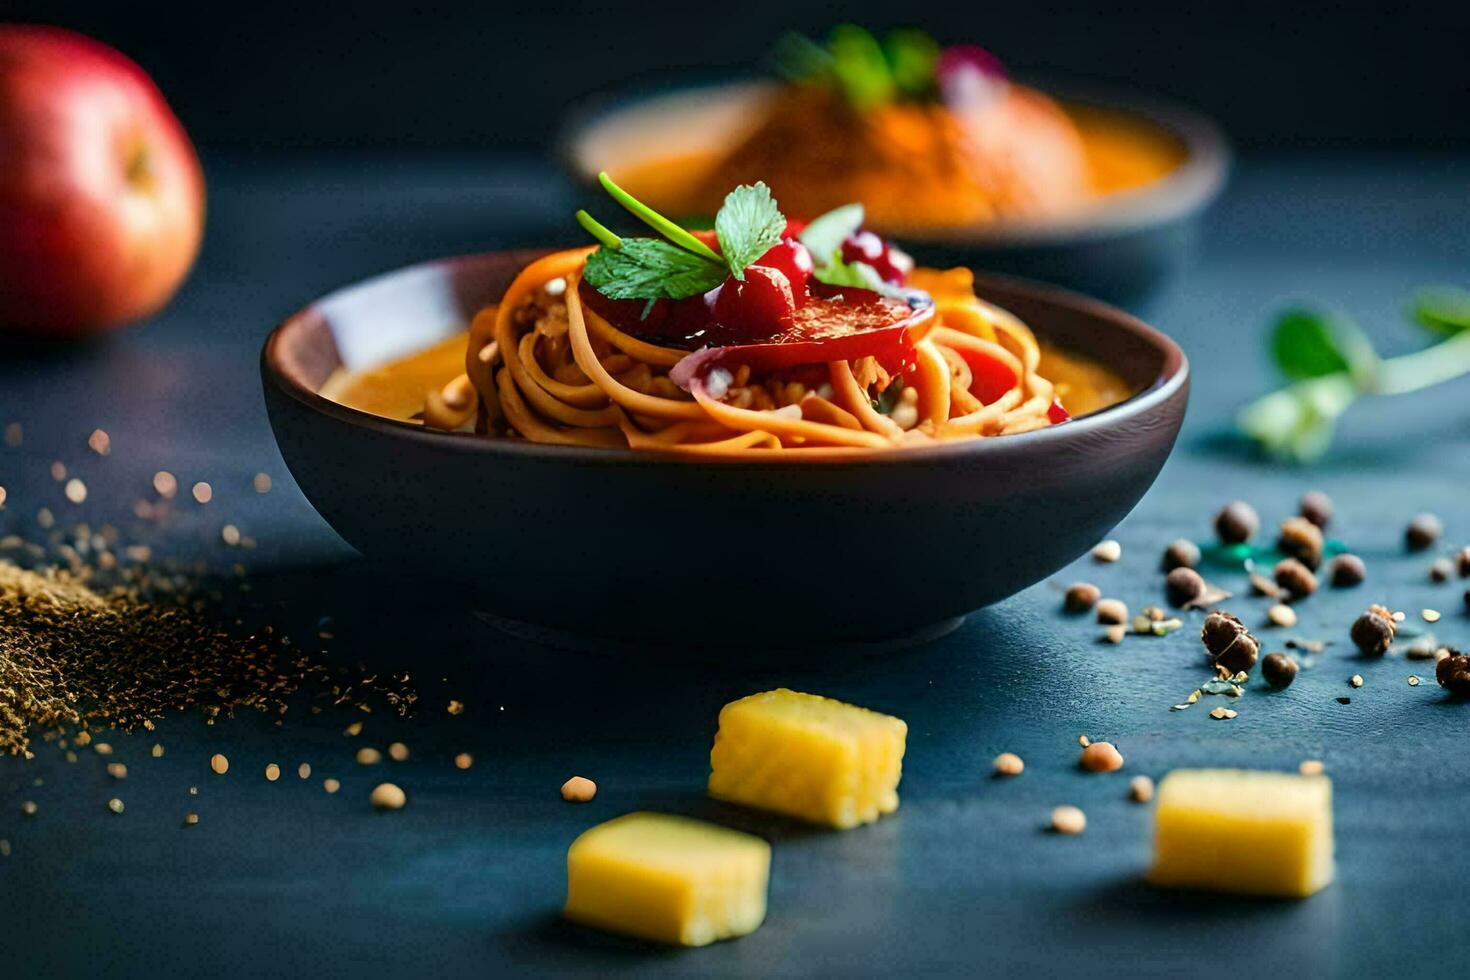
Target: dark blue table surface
(283,879)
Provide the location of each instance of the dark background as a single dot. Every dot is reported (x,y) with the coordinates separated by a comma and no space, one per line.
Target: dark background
(467,75)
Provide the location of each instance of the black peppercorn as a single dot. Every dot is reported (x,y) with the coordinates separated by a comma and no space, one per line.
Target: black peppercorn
(1317,507)
(1422,532)
(1183,586)
(1297,579)
(1302,540)
(1229,644)
(1081,597)
(1279,670)
(1441,570)
(1453,673)
(1237,522)
(1348,570)
(1462,562)
(1373,631)
(1181,553)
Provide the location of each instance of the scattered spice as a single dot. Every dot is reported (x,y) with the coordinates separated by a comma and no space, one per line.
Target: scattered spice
(1453,673)
(230,534)
(203,492)
(369,756)
(331,785)
(1373,632)
(1279,670)
(75,491)
(115,805)
(1229,644)
(1423,531)
(1068,820)
(1083,741)
(1223,714)
(1316,507)
(1237,522)
(1281,615)
(1430,615)
(272,772)
(464,760)
(1008,764)
(1413,680)
(1311,767)
(1183,586)
(99,442)
(1441,570)
(1348,571)
(1181,553)
(1101,757)
(1356,680)
(29,808)
(456,707)
(1140,789)
(387,796)
(1344,700)
(117,770)
(219,764)
(262,483)
(191,819)
(1080,597)
(353,729)
(398,752)
(156,751)
(1295,578)
(1107,551)
(1302,540)
(165,484)
(1112,612)
(578,789)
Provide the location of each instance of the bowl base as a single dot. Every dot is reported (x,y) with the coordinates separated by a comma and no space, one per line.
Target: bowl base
(705,650)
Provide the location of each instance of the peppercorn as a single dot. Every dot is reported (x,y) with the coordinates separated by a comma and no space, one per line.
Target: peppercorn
(1441,570)
(1229,643)
(1347,571)
(1317,507)
(1302,540)
(1237,522)
(1183,586)
(1453,673)
(1296,578)
(1279,670)
(1181,553)
(1462,562)
(1373,631)
(1422,532)
(1081,597)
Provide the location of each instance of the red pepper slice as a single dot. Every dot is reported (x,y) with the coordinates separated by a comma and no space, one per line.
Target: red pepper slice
(1057,413)
(990,377)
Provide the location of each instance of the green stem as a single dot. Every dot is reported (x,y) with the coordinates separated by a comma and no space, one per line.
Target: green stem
(657,221)
(597,231)
(1445,361)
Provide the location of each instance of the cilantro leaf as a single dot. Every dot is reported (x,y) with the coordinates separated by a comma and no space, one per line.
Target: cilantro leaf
(826,233)
(651,268)
(748,225)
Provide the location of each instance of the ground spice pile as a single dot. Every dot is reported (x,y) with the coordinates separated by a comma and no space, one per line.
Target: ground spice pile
(72,656)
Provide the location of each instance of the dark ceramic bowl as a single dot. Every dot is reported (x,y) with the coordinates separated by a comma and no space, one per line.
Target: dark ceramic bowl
(820,547)
(1120,249)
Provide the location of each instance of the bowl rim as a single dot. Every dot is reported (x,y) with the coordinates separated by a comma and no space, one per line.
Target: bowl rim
(1187,189)
(1172,376)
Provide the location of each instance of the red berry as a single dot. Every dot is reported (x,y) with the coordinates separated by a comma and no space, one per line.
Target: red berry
(757,308)
(891,264)
(790,258)
(794,228)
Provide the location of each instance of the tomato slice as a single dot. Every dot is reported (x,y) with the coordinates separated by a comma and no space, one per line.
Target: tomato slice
(990,376)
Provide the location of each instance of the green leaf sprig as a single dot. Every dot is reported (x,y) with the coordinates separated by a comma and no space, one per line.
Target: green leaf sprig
(823,237)
(867,72)
(1331,364)
(679,265)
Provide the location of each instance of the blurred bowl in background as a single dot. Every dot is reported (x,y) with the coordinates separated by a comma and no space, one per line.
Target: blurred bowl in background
(1119,247)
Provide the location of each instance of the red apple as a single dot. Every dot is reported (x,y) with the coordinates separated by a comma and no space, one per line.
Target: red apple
(101,195)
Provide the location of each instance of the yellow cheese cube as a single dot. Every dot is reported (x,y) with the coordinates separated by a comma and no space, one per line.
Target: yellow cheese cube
(809,757)
(1235,830)
(670,879)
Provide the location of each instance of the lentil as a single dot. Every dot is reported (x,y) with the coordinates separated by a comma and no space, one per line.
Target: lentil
(219,764)
(368,756)
(203,493)
(1008,764)
(1068,820)
(99,442)
(272,772)
(398,752)
(331,785)
(262,483)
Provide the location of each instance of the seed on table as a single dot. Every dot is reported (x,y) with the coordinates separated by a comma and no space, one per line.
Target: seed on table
(1229,644)
(1296,578)
(1316,507)
(464,760)
(203,492)
(165,484)
(219,763)
(1441,570)
(76,491)
(1115,633)
(157,751)
(262,483)
(1281,615)
(455,707)
(115,805)
(14,434)
(1311,767)
(1279,670)
(1068,820)
(578,789)
(1422,532)
(29,808)
(1302,540)
(353,729)
(1182,586)
(1223,714)
(1373,632)
(1181,553)
(1356,680)
(1347,571)
(1237,522)
(1462,561)
(1453,673)
(117,770)
(369,756)
(1112,612)
(1413,680)
(230,534)
(398,752)
(58,471)
(191,819)
(99,442)
(1107,551)
(272,772)
(331,785)
(1083,741)
(386,796)
(1430,615)
(1008,764)
(1081,597)
(1101,757)
(1140,789)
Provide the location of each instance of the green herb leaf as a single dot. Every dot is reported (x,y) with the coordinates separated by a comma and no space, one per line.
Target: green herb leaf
(650,268)
(748,225)
(1304,345)
(859,274)
(860,68)
(887,399)
(1443,309)
(912,57)
(657,221)
(824,236)
(800,59)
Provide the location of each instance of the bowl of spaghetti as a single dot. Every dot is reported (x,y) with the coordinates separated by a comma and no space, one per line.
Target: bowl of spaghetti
(679,436)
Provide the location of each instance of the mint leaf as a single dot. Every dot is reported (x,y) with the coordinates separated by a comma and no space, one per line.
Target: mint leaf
(650,268)
(912,58)
(748,225)
(825,235)
(1304,345)
(860,68)
(1443,309)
